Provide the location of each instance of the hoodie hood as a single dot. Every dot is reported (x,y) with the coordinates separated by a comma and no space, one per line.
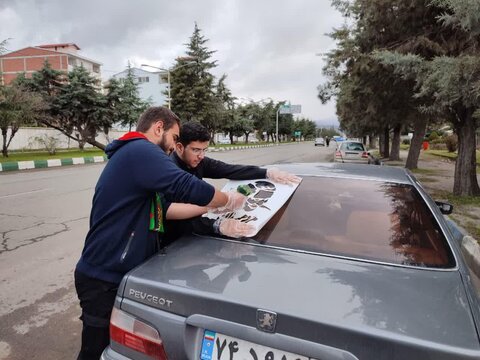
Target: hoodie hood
(117,144)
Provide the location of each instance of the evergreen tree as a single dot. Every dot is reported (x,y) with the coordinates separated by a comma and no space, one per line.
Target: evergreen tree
(450,79)
(81,109)
(371,98)
(123,101)
(192,86)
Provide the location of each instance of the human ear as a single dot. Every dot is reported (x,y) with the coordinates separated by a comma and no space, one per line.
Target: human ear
(179,148)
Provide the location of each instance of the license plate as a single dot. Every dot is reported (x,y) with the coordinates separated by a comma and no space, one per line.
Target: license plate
(217,346)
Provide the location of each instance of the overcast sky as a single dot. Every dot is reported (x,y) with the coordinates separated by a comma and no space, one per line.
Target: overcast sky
(268,48)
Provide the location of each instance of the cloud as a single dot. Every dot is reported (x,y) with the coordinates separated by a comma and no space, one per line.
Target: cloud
(267,48)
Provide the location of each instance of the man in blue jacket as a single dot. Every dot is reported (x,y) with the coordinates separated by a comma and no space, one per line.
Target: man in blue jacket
(130,203)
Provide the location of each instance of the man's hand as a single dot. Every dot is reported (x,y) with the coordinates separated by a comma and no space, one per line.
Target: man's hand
(282,177)
(235,201)
(235,228)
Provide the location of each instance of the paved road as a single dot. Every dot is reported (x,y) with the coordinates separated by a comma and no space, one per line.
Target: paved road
(43,222)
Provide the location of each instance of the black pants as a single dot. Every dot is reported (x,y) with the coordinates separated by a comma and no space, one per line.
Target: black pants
(96,300)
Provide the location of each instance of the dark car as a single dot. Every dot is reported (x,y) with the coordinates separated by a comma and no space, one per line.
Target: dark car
(358,264)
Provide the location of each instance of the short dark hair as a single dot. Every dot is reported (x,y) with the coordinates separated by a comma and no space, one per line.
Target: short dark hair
(154,114)
(193,131)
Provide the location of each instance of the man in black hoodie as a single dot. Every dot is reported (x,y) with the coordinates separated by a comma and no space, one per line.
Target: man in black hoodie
(132,198)
(189,155)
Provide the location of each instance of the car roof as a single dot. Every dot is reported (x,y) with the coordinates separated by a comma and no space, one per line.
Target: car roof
(350,171)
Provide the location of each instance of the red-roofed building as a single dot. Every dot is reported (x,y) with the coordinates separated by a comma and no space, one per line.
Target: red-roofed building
(62,57)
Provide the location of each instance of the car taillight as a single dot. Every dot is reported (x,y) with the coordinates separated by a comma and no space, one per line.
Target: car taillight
(136,335)
(365,155)
(338,154)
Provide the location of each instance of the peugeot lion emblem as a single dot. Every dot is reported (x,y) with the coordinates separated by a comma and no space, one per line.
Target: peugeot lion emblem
(266,320)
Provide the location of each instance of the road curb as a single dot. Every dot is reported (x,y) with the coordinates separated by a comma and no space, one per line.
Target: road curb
(471,252)
(42,164)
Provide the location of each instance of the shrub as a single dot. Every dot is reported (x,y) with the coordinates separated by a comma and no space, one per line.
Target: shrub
(438,146)
(438,140)
(406,141)
(451,141)
(433,136)
(50,143)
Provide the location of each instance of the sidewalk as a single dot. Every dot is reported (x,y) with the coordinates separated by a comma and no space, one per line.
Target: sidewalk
(41,164)
(436,174)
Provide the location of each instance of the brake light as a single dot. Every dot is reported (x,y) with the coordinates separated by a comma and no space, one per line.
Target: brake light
(365,155)
(136,335)
(338,154)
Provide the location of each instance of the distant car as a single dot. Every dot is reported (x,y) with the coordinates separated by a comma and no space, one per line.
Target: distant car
(320,141)
(358,264)
(352,152)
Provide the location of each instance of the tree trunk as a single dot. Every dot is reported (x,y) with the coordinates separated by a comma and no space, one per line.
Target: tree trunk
(381,140)
(372,141)
(395,151)
(385,143)
(419,128)
(246,137)
(4,144)
(96,144)
(465,181)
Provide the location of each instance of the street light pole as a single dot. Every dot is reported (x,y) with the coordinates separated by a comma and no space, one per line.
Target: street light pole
(276,127)
(168,82)
(169,90)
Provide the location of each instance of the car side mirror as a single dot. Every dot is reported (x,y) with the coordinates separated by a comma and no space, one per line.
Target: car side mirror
(445,208)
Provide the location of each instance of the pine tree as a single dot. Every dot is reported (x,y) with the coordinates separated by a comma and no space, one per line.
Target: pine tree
(81,109)
(192,85)
(449,79)
(123,101)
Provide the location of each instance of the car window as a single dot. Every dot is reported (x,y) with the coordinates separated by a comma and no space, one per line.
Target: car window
(358,218)
(355,146)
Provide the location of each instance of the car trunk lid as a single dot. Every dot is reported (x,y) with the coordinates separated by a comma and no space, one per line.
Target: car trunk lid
(323,299)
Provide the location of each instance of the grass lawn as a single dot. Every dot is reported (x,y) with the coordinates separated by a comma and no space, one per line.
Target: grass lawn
(466,211)
(44,155)
(450,155)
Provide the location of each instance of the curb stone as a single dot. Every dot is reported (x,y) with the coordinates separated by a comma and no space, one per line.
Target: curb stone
(471,252)
(41,164)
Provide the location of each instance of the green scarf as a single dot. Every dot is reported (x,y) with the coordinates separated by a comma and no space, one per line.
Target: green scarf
(157,214)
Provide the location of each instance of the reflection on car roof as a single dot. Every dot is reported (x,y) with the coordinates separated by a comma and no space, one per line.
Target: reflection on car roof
(340,170)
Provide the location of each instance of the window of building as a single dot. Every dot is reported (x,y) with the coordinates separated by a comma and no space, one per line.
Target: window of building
(143,79)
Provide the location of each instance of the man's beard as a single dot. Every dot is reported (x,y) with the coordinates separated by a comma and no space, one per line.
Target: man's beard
(163,144)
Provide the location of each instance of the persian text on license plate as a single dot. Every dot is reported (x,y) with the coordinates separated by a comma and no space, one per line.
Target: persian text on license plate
(217,346)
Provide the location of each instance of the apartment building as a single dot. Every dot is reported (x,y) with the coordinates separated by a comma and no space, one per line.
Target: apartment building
(63,57)
(152,85)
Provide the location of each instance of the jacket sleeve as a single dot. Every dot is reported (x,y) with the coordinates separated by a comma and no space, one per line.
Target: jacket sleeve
(215,169)
(154,171)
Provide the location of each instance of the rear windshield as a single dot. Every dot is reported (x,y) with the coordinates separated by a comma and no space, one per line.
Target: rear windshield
(362,219)
(354,146)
